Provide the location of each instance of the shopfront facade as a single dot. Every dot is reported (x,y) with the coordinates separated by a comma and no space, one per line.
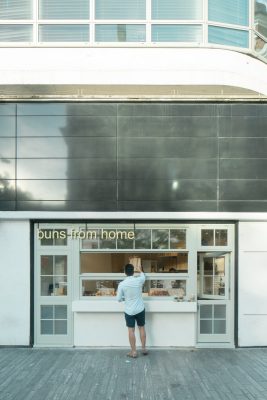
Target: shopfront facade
(88,187)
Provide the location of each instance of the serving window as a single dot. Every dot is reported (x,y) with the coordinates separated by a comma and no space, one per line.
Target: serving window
(97,287)
(100,273)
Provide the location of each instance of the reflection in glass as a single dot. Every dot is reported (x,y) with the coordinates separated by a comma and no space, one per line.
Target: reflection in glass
(52,237)
(120,9)
(219,326)
(63,33)
(92,239)
(46,312)
(236,12)
(53,320)
(205,311)
(205,326)
(125,243)
(207,237)
(178,238)
(143,239)
(63,9)
(46,285)
(176,9)
(7,126)
(120,33)
(16,33)
(16,9)
(260,46)
(160,238)
(46,327)
(228,36)
(60,327)
(176,33)
(220,311)
(221,237)
(108,239)
(260,20)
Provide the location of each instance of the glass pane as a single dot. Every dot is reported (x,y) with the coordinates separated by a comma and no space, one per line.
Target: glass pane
(260,46)
(176,33)
(176,9)
(46,327)
(64,9)
(143,239)
(90,240)
(208,266)
(60,327)
(60,286)
(45,236)
(219,326)
(260,20)
(207,237)
(177,238)
(205,311)
(165,287)
(16,33)
(7,126)
(219,266)
(220,311)
(61,312)
(127,243)
(46,265)
(205,326)
(160,238)
(60,265)
(47,287)
(60,237)
(220,237)
(46,312)
(228,37)
(108,239)
(208,285)
(120,33)
(99,288)
(230,11)
(63,33)
(120,9)
(16,9)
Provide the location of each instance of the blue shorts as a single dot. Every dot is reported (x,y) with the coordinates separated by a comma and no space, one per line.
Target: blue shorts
(140,318)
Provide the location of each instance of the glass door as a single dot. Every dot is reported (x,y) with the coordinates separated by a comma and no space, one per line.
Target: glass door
(215,324)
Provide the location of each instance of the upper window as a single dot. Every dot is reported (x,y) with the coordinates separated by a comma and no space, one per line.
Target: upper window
(177,9)
(16,9)
(120,9)
(63,9)
(229,11)
(260,20)
(214,237)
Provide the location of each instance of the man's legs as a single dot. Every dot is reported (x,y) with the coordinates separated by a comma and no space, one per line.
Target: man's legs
(132,341)
(142,333)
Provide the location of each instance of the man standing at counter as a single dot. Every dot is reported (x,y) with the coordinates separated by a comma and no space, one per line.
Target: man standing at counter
(130,291)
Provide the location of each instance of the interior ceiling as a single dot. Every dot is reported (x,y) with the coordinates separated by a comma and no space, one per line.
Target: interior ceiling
(127,92)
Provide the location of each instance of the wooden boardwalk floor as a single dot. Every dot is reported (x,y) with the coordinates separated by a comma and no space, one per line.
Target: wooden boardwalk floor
(107,374)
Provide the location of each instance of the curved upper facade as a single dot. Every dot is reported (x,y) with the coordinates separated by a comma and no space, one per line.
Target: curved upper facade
(239,24)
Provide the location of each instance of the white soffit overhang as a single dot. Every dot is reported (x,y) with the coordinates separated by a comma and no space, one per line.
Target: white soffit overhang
(130,73)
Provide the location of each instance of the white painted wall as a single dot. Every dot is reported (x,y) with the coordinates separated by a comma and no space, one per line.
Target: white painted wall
(14,282)
(109,329)
(132,66)
(252,313)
